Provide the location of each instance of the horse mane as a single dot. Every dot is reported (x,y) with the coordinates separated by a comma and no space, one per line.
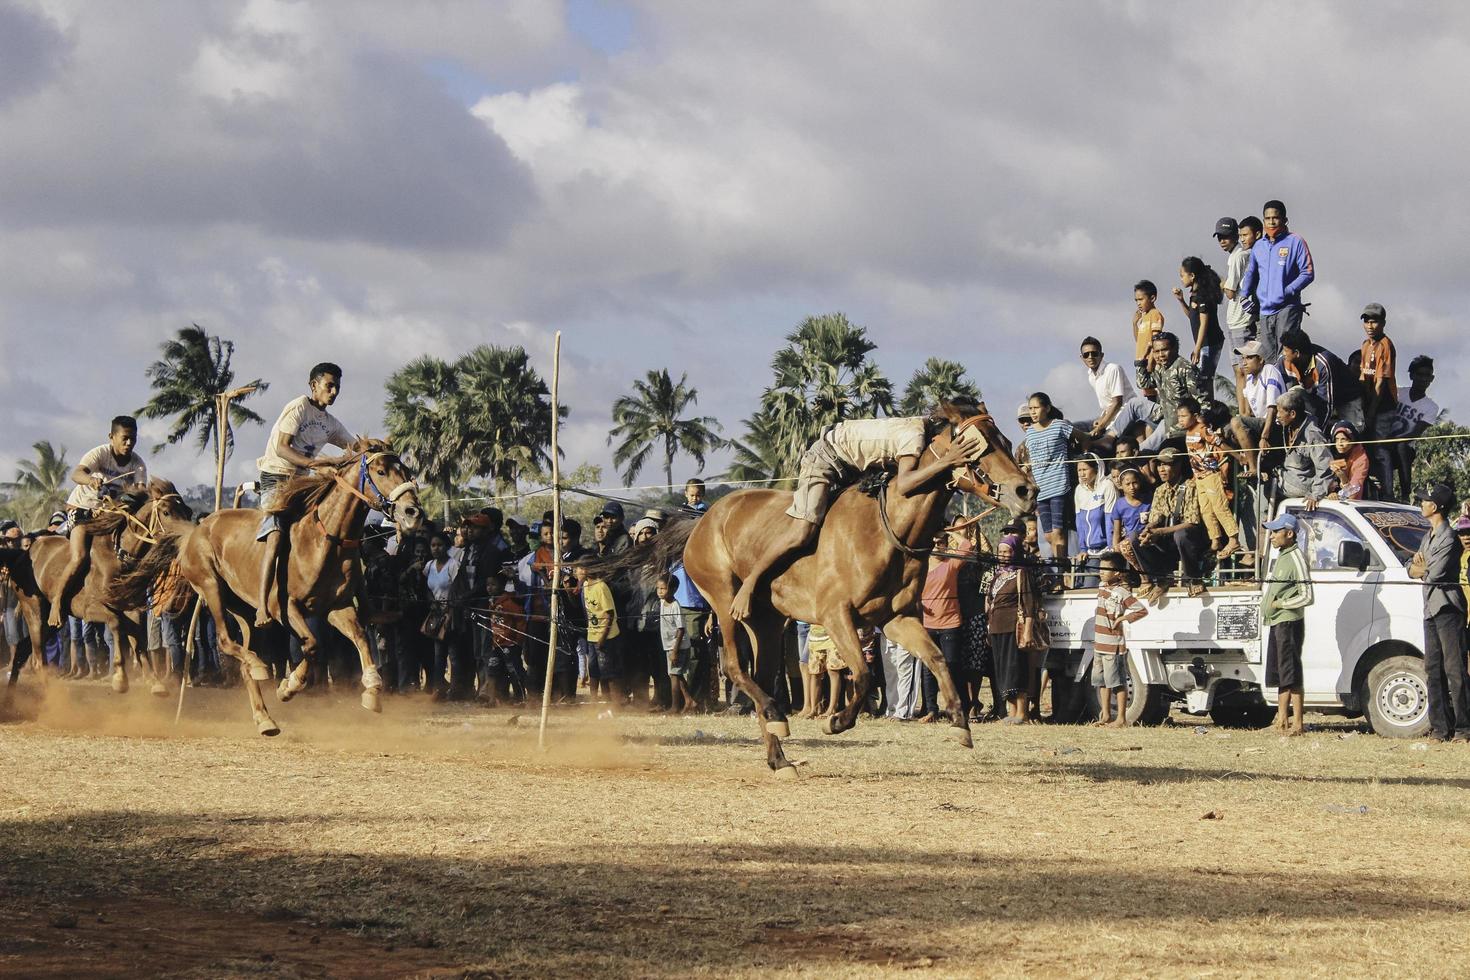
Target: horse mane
(130,589)
(306,490)
(666,548)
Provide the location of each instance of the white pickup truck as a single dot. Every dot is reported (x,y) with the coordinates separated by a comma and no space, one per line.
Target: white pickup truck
(1364,652)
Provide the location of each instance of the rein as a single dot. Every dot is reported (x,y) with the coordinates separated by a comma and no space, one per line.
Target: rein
(876,486)
(365,481)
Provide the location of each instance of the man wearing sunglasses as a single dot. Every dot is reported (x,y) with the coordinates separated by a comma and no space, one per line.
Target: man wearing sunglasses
(1109,384)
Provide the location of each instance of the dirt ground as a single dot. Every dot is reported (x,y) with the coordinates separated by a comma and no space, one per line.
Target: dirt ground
(438,841)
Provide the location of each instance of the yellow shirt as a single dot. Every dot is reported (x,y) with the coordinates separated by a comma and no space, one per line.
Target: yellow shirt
(602,615)
(1149,326)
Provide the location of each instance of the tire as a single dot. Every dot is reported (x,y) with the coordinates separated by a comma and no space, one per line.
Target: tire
(1397,698)
(1070,704)
(1149,707)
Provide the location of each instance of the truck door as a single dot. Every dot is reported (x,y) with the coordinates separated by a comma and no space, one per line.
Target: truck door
(1345,607)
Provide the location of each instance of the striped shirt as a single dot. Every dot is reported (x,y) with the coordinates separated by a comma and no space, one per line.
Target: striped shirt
(1047,449)
(1115,606)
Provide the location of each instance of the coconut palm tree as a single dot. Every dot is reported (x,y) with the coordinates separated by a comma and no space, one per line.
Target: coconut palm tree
(649,419)
(823,376)
(506,411)
(938,380)
(194,368)
(758,457)
(40,485)
(424,417)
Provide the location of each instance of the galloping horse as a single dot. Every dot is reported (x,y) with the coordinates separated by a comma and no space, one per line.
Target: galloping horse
(866,570)
(121,540)
(221,559)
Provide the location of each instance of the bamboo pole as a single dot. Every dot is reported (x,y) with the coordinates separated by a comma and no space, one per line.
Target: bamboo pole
(221,427)
(188,656)
(555,540)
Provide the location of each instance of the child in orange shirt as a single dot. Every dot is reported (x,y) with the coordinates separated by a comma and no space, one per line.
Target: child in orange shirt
(1148,320)
(1206,451)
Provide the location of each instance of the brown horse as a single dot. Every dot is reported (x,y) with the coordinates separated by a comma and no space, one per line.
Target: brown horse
(322,574)
(866,570)
(121,540)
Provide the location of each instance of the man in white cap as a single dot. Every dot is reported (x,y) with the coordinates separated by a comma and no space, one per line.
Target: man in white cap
(1283,612)
(1258,386)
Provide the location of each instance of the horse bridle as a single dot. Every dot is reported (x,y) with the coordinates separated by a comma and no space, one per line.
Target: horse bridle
(147,533)
(385,502)
(982,482)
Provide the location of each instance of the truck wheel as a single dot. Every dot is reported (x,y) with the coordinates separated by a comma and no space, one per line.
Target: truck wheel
(1149,706)
(1069,698)
(1397,698)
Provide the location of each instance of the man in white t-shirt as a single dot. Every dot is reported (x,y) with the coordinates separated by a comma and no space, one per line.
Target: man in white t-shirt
(1235,240)
(304,429)
(110,471)
(1109,384)
(1414,413)
(841,454)
(1258,386)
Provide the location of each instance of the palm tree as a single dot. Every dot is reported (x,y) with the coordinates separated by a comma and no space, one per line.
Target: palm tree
(938,380)
(650,416)
(823,376)
(758,456)
(507,414)
(195,367)
(423,414)
(40,485)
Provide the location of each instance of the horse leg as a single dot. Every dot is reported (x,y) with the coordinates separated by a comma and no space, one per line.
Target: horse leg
(844,634)
(909,633)
(263,721)
(295,680)
(122,646)
(345,622)
(773,722)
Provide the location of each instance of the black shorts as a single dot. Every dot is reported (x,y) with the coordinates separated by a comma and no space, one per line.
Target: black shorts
(1284,655)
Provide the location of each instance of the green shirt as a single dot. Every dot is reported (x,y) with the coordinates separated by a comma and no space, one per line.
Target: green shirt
(1289,591)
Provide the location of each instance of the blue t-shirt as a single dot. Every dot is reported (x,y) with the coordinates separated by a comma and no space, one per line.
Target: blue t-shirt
(1131,516)
(688,596)
(1048,449)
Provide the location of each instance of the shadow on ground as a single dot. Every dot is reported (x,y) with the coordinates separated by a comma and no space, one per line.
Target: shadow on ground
(575,909)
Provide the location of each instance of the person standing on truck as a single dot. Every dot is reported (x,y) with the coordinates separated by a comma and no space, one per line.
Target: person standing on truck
(1437,563)
(1306,469)
(1115,606)
(1283,611)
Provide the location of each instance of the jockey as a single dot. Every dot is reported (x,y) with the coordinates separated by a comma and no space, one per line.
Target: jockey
(106,473)
(841,454)
(304,428)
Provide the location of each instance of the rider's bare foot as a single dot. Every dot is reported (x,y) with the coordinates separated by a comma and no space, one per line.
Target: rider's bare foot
(262,619)
(54,620)
(740,605)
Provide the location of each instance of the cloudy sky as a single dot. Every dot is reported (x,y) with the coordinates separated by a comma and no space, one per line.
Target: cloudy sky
(677,185)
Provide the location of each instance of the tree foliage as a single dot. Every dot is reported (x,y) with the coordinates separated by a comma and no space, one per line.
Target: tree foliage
(649,420)
(938,380)
(194,368)
(40,486)
(1444,460)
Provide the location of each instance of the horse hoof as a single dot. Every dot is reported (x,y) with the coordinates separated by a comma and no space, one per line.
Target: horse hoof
(371,701)
(158,690)
(283,690)
(786,773)
(778,728)
(119,682)
(830,726)
(962,736)
(267,727)
(259,672)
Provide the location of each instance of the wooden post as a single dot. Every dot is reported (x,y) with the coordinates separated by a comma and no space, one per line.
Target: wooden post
(555,540)
(188,655)
(221,427)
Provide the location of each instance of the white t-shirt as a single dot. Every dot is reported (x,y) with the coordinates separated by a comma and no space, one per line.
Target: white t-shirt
(1262,390)
(1109,383)
(440,580)
(1237,317)
(873,442)
(310,428)
(102,462)
(1410,415)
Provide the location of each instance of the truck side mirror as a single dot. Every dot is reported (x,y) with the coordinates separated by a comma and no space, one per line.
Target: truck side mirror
(1352,554)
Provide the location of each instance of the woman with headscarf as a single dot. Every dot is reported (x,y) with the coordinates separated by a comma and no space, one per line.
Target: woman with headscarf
(1093,503)
(1010,599)
(1349,463)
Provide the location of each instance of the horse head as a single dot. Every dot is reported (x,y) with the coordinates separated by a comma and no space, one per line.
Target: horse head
(385,482)
(994,474)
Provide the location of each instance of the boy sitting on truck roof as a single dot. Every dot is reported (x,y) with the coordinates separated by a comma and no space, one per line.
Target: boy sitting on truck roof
(1283,610)
(1115,606)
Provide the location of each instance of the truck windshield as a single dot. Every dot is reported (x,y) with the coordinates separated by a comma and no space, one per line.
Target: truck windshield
(1401,527)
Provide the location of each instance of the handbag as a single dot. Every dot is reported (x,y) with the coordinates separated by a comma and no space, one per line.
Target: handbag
(1033,633)
(436,624)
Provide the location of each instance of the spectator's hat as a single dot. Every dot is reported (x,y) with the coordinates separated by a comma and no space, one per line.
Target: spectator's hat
(656,514)
(477,520)
(646,524)
(1462,525)
(1345,426)
(612,509)
(1440,495)
(1374,311)
(512,522)
(1251,348)
(1023,412)
(1286,522)
(1168,454)
(57,517)
(7,524)
(1227,228)
(535,527)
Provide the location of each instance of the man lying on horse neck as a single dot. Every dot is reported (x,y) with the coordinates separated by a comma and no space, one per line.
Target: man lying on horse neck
(104,475)
(841,454)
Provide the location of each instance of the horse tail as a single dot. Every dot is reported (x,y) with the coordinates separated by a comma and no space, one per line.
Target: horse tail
(666,548)
(130,590)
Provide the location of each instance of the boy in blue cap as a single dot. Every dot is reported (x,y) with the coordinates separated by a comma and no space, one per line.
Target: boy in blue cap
(1283,611)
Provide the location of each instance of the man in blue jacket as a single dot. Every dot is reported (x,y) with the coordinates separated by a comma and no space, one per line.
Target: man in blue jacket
(1280,267)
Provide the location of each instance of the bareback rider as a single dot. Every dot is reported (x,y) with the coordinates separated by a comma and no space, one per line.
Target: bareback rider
(304,428)
(110,471)
(841,454)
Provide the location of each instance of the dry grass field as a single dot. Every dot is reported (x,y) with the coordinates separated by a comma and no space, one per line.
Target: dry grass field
(437,841)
